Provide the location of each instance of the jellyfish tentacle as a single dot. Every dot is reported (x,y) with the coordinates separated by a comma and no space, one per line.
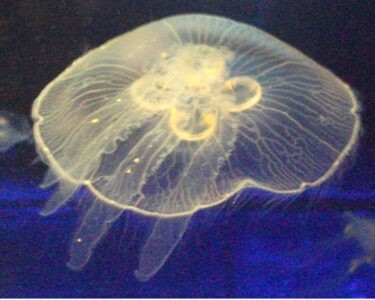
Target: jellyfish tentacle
(164,238)
(60,197)
(94,226)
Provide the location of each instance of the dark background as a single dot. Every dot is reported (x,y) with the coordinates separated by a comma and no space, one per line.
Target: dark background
(295,249)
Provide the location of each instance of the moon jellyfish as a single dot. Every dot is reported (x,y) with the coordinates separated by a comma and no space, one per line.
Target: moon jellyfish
(179,115)
(13,130)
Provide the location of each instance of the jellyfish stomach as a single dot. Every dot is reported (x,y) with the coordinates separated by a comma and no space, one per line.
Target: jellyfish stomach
(197,122)
(193,123)
(192,84)
(243,93)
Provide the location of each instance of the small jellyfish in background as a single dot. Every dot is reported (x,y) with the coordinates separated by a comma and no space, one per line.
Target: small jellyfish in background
(179,115)
(14,129)
(362,230)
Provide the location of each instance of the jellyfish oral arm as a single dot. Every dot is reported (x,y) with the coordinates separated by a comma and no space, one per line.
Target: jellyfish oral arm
(94,226)
(165,236)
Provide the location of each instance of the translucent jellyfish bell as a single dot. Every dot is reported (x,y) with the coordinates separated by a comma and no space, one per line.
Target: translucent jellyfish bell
(180,114)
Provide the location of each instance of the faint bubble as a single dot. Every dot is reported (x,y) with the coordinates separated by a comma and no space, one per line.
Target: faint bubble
(14,129)
(362,230)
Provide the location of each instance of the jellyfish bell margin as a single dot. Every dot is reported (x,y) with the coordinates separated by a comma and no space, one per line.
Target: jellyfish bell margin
(214,106)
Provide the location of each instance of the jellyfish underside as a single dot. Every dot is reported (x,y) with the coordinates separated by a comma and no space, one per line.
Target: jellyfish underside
(181,114)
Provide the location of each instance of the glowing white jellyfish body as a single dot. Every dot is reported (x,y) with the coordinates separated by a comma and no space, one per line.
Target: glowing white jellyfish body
(180,114)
